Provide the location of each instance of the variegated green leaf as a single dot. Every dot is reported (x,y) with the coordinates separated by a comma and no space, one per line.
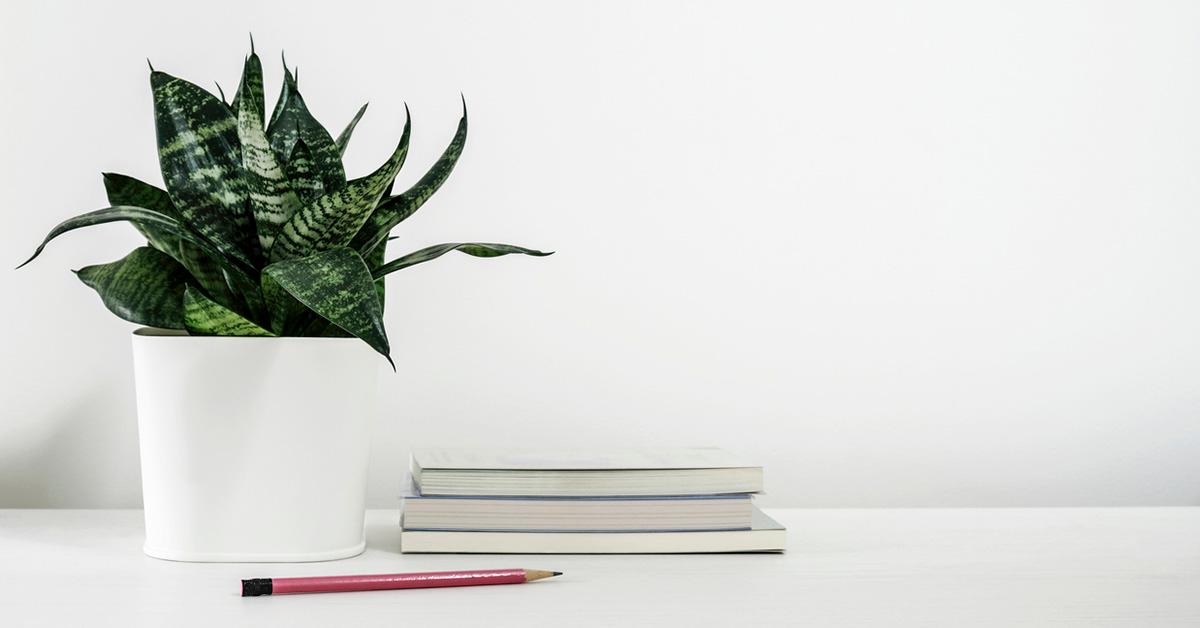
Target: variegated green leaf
(280,102)
(201,163)
(124,190)
(283,310)
(251,87)
(206,272)
(478,249)
(300,174)
(190,242)
(144,287)
(394,210)
(337,285)
(249,293)
(343,138)
(124,213)
(293,122)
(374,260)
(333,219)
(271,197)
(204,317)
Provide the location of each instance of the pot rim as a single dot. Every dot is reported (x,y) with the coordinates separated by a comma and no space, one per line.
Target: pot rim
(158,332)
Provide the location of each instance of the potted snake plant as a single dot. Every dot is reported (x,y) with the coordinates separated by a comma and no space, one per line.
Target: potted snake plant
(260,290)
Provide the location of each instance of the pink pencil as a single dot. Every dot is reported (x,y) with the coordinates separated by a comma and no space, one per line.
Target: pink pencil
(376,582)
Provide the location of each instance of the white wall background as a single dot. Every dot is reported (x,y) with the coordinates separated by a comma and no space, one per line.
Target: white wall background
(923,253)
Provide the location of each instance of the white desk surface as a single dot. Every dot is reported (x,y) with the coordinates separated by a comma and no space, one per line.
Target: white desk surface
(920,567)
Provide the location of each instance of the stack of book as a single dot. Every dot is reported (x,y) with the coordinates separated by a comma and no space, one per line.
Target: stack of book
(577,502)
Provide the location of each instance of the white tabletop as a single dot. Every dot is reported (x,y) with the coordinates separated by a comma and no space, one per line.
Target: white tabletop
(966,567)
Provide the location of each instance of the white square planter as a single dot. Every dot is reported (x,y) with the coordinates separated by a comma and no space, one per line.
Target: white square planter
(253,449)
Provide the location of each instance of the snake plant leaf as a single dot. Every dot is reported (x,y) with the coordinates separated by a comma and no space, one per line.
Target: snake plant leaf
(333,219)
(293,122)
(283,310)
(280,101)
(143,216)
(257,230)
(478,249)
(374,260)
(207,273)
(249,292)
(125,190)
(120,213)
(201,163)
(337,285)
(204,317)
(304,180)
(271,197)
(343,138)
(394,210)
(251,87)
(144,287)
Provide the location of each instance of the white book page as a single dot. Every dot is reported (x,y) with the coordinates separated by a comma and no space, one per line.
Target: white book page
(578,459)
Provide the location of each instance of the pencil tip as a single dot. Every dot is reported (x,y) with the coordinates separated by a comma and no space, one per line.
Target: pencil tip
(538,574)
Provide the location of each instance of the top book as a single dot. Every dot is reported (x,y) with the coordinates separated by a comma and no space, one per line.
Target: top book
(582,472)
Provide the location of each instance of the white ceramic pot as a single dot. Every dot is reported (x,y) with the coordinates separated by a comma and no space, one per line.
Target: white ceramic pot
(253,449)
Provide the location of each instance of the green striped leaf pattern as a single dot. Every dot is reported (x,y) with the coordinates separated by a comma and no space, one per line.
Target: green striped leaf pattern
(343,138)
(374,260)
(201,162)
(300,173)
(249,295)
(204,317)
(258,232)
(251,87)
(124,213)
(271,197)
(279,103)
(292,122)
(145,287)
(283,310)
(396,209)
(477,249)
(337,285)
(334,218)
(124,190)
(206,272)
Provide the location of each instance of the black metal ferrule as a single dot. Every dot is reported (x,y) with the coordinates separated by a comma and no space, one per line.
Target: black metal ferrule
(257,586)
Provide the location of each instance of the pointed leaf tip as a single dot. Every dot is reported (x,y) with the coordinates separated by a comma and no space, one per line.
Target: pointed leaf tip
(337,286)
(344,137)
(476,249)
(251,43)
(158,79)
(150,64)
(31,257)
